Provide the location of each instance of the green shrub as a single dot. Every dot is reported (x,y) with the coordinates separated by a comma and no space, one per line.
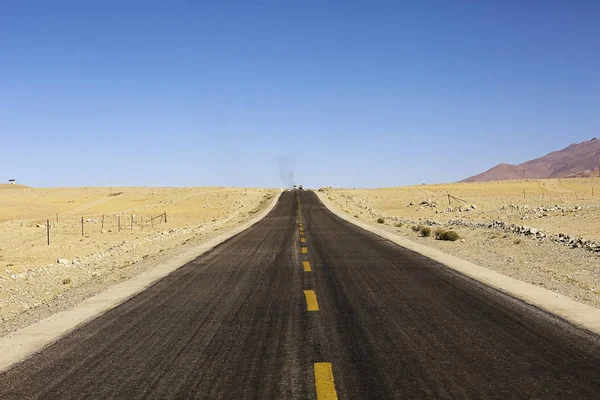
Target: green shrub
(450,236)
(398,224)
(380,220)
(439,232)
(425,231)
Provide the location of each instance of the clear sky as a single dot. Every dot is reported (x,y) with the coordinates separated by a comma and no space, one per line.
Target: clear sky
(348,93)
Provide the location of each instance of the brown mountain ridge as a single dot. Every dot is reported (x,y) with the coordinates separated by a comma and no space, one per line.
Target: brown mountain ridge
(576,160)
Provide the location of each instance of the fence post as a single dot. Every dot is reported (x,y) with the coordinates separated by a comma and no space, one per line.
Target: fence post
(48,230)
(82,227)
(102,222)
(165,216)
(119,222)
(131,221)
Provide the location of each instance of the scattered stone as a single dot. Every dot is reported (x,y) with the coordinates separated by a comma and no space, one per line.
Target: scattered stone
(63,261)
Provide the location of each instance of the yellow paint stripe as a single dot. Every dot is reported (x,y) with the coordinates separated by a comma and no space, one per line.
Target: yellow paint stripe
(302,240)
(311,300)
(306,265)
(324,383)
(304,250)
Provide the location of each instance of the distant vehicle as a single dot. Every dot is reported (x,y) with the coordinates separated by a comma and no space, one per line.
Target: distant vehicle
(294,187)
(299,187)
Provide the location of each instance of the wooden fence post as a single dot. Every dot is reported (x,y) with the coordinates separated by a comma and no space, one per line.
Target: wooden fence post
(165,216)
(48,230)
(119,222)
(82,227)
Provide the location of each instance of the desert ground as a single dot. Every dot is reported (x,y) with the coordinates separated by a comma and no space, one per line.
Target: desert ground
(37,279)
(545,232)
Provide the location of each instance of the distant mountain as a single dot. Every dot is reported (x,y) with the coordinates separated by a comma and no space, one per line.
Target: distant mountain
(577,160)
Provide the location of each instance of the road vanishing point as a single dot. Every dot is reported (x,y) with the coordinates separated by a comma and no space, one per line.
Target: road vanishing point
(304,305)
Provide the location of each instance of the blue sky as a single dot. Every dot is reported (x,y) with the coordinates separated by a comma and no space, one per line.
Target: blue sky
(349,93)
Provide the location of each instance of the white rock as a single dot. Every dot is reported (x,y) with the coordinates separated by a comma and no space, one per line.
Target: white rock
(63,261)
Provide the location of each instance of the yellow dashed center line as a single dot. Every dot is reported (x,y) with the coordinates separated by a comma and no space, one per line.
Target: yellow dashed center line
(306,265)
(311,300)
(324,383)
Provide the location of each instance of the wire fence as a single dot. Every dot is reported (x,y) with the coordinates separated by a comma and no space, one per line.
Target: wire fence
(60,227)
(69,228)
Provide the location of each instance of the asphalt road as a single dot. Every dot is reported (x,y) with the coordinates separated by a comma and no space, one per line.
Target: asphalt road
(386,323)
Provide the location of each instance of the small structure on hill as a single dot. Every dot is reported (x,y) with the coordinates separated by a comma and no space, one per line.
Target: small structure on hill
(12,181)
